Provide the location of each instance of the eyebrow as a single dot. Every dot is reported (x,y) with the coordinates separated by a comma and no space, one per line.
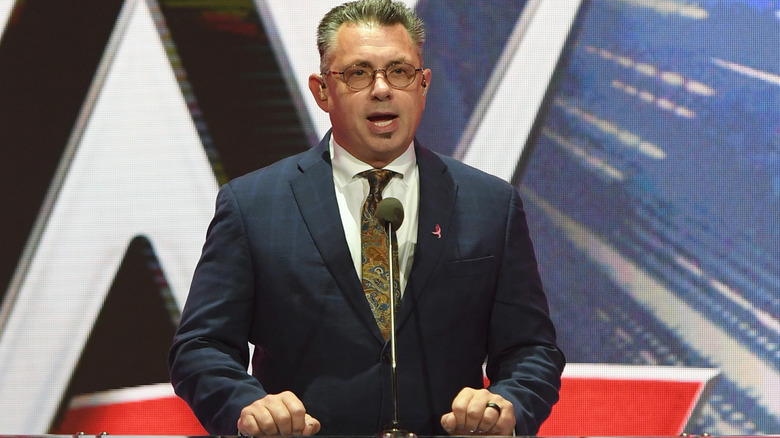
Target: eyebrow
(368,64)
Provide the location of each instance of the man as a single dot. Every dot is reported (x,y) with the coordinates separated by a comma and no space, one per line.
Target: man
(282,266)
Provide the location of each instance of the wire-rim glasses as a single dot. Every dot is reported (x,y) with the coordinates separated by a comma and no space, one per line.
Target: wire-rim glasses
(360,76)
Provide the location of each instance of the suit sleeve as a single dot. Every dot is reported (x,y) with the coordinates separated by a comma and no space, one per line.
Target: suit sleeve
(210,354)
(524,363)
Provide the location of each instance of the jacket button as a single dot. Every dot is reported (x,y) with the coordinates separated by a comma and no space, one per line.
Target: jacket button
(386,358)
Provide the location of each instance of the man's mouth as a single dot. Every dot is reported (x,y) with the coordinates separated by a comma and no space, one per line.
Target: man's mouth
(382,120)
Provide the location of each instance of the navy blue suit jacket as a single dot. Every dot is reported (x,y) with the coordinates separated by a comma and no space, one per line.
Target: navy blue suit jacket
(276,271)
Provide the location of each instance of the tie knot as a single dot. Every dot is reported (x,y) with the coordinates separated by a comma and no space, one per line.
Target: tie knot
(377,180)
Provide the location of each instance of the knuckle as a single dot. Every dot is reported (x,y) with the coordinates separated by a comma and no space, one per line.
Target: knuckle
(459,408)
(471,391)
(283,417)
(474,416)
(296,408)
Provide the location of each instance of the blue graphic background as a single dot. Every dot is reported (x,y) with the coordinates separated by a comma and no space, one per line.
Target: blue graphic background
(662,99)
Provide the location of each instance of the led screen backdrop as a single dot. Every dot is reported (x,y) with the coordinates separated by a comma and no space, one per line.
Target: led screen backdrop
(653,185)
(644,137)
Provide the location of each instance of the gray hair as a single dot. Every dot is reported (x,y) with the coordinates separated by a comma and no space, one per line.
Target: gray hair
(370,13)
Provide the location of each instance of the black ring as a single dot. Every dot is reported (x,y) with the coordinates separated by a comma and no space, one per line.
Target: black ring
(494,406)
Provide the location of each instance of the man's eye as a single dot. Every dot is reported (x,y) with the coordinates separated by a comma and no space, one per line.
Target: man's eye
(359,72)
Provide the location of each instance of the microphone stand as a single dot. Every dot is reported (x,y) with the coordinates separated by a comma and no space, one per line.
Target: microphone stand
(393,430)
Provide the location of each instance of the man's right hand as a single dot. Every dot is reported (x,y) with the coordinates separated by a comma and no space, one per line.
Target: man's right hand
(277,414)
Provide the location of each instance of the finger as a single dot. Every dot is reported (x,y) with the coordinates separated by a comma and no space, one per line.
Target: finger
(489,419)
(475,411)
(247,424)
(460,406)
(505,420)
(274,414)
(505,425)
(288,413)
(312,425)
(292,420)
(256,420)
(268,420)
(449,423)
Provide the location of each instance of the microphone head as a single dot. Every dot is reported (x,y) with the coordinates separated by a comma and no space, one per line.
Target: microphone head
(390,211)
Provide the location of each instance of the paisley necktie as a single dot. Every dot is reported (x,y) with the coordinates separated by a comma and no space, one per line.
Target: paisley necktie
(374,253)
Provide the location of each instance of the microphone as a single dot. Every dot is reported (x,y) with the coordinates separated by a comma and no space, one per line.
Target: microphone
(390,213)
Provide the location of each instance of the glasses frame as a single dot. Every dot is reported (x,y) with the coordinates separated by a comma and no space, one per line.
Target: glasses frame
(373,76)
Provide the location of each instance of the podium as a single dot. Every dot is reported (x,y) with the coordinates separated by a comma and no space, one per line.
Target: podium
(596,400)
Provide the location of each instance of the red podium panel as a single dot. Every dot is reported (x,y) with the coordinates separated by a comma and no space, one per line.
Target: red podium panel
(610,400)
(150,410)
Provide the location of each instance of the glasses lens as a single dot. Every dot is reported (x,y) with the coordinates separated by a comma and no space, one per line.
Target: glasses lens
(358,77)
(400,75)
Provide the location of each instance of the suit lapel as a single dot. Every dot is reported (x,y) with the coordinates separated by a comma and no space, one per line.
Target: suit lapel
(316,198)
(438,192)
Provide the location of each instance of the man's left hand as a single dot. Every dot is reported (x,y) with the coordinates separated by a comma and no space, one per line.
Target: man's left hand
(479,412)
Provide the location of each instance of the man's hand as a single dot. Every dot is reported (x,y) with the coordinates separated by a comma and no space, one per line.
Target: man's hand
(277,414)
(479,412)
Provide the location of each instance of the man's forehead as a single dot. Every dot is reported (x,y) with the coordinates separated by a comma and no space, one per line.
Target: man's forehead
(347,31)
(351,52)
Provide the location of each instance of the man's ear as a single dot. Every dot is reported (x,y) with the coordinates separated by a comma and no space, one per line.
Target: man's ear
(426,80)
(319,90)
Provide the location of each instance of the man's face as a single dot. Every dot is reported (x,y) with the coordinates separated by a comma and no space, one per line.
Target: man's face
(377,123)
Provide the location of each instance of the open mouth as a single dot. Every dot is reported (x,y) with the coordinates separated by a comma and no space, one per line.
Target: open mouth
(382,120)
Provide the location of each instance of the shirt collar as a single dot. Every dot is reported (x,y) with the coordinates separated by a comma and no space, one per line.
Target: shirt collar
(346,166)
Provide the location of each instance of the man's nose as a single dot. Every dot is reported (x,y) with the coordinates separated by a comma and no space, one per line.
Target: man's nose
(381,86)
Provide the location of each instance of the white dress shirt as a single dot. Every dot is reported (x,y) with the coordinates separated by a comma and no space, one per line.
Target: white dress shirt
(352,191)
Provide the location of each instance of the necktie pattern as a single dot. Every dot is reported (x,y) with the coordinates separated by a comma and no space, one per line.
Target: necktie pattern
(375,273)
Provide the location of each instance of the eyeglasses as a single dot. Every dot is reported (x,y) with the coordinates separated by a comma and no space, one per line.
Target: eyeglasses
(357,77)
